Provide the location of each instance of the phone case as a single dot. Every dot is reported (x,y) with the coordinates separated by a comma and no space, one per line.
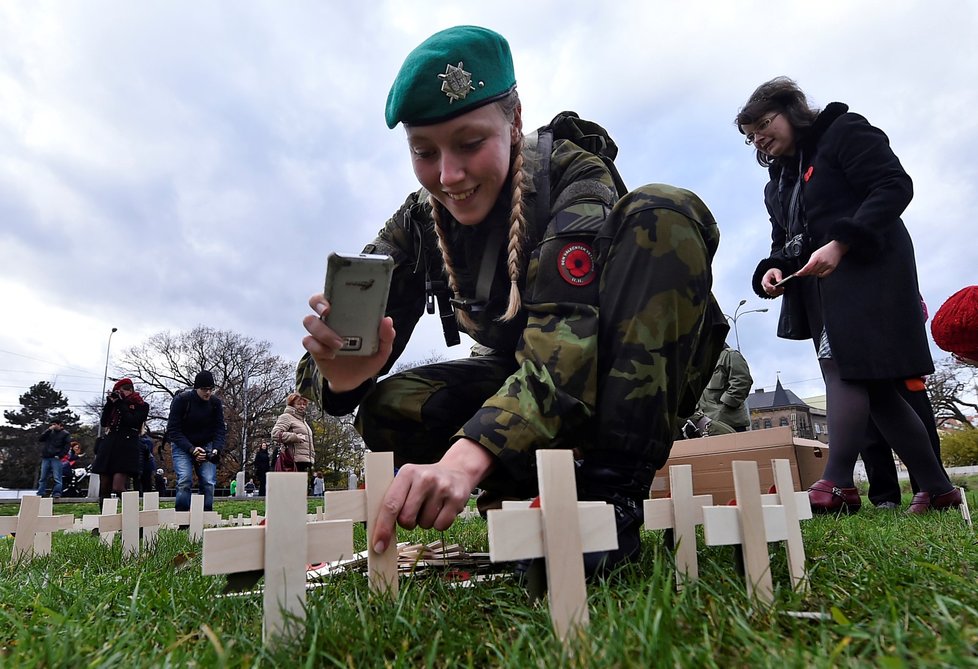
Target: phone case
(357,286)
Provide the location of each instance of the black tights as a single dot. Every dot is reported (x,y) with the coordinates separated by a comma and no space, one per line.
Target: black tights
(851,405)
(112,483)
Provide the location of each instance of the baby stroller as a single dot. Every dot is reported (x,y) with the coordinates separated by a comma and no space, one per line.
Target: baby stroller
(76,483)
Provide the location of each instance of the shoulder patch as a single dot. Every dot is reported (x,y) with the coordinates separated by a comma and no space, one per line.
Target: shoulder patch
(575,263)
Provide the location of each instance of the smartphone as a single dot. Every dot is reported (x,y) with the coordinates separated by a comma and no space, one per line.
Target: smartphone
(784,280)
(357,286)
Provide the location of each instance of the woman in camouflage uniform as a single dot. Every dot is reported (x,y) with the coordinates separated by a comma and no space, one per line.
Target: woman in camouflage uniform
(593,313)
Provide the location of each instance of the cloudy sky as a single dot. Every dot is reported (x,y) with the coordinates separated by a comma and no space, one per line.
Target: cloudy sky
(169,164)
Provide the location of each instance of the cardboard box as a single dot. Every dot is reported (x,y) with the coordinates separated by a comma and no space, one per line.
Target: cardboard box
(711,459)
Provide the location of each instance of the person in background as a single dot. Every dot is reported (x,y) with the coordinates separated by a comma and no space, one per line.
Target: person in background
(725,397)
(318,485)
(843,261)
(262,463)
(594,309)
(69,461)
(118,456)
(881,471)
(233,487)
(160,482)
(196,431)
(55,441)
(293,432)
(955,326)
(147,461)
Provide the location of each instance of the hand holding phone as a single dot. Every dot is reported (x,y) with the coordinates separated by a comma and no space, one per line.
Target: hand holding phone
(357,286)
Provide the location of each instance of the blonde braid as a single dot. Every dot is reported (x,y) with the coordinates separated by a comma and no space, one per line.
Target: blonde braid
(517,234)
(461,316)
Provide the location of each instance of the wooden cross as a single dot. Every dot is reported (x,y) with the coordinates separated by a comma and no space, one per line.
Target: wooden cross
(110,508)
(681,513)
(33,526)
(282,547)
(561,530)
(195,519)
(363,505)
(758,519)
(131,521)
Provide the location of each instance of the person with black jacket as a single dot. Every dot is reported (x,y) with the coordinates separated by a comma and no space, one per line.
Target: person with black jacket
(843,261)
(55,441)
(196,431)
(118,456)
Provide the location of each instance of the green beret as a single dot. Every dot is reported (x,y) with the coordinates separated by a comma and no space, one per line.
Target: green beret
(452,72)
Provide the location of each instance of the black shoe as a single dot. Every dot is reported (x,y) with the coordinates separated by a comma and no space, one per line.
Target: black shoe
(629,517)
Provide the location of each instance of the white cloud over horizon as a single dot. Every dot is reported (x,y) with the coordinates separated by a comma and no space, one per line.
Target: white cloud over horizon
(169,164)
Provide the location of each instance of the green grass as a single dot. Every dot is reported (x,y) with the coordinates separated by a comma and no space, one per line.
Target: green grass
(900,591)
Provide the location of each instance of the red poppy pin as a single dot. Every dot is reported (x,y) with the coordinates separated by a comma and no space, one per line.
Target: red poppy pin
(575,263)
(808,173)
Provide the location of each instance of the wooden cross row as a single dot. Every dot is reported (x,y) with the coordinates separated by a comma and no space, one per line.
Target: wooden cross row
(752,524)
(33,526)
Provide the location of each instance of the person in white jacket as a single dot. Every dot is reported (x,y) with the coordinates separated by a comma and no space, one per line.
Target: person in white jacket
(294,434)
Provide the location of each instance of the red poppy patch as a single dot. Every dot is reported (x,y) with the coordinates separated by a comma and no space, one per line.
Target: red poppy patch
(575,262)
(808,173)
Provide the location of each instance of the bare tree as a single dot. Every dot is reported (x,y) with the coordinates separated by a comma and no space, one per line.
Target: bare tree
(953,392)
(252,382)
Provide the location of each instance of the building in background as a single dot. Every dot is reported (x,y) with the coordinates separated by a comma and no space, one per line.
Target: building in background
(782,408)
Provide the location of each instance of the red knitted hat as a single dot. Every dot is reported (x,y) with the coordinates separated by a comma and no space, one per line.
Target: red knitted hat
(955,325)
(120,383)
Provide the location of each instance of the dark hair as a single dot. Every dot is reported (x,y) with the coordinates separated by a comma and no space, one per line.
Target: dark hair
(779,94)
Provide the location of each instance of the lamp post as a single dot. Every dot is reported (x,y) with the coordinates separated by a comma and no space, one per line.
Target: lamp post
(738,314)
(105,374)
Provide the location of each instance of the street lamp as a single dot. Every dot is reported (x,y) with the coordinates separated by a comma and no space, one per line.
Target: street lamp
(105,375)
(738,314)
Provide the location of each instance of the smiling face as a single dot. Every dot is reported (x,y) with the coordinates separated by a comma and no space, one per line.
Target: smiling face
(773,134)
(464,162)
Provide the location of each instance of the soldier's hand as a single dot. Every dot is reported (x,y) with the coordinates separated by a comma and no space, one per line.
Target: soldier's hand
(345,372)
(431,495)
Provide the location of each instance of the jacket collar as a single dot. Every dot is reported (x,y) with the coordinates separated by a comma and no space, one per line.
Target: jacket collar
(825,119)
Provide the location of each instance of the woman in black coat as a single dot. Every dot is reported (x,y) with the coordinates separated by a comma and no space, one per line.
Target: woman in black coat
(119,452)
(844,263)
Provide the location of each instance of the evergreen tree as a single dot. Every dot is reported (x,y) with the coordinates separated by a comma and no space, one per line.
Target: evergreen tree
(20,453)
(39,406)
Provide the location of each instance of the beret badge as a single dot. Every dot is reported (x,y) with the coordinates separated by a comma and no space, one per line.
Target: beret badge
(456,82)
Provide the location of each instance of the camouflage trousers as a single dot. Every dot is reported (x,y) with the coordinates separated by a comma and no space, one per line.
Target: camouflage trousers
(660,333)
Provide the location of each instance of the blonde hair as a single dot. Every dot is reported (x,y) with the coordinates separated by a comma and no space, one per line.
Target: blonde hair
(517,228)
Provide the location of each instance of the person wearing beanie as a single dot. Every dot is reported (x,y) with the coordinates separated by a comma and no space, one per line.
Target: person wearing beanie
(204,379)
(196,430)
(955,325)
(118,456)
(530,243)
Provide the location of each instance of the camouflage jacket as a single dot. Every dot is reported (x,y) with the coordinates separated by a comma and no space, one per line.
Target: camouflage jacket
(725,396)
(554,339)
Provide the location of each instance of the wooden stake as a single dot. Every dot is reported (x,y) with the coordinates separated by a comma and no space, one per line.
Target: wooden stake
(681,512)
(282,548)
(33,525)
(363,506)
(557,526)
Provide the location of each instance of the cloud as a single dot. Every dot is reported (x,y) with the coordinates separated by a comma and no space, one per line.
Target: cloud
(168,164)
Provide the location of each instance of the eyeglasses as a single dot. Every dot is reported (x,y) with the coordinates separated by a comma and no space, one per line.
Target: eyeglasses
(761,127)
